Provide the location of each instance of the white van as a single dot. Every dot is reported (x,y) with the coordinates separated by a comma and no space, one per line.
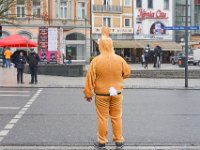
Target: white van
(196,54)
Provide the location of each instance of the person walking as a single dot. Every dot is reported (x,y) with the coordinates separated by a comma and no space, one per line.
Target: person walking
(146,55)
(8,55)
(157,56)
(3,58)
(33,60)
(105,77)
(19,64)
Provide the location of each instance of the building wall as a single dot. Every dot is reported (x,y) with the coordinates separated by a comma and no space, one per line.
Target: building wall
(117,18)
(50,16)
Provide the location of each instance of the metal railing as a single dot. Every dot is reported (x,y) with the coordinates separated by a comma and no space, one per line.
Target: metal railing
(107,8)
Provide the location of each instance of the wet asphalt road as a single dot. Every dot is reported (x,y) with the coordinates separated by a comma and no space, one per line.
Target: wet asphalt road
(60,116)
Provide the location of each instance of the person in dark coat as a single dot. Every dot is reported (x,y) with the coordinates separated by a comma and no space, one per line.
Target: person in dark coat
(146,55)
(33,60)
(157,56)
(19,64)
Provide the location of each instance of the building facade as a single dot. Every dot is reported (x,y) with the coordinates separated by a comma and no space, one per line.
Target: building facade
(116,14)
(69,18)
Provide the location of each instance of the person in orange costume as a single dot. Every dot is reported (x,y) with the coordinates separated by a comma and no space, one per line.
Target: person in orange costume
(105,78)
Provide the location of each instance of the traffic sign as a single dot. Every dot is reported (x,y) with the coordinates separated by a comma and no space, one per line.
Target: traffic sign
(181,28)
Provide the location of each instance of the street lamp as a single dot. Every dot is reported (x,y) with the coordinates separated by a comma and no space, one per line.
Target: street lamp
(186,45)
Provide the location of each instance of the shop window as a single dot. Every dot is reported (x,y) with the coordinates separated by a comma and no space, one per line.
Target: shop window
(107,21)
(157,28)
(150,3)
(138,3)
(166,4)
(36,8)
(20,8)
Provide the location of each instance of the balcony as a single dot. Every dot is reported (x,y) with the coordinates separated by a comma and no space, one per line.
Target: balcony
(115,33)
(107,9)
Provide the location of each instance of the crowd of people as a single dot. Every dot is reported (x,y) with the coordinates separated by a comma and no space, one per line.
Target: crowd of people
(19,59)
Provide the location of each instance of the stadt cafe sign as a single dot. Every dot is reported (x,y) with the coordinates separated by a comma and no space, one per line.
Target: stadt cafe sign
(143,14)
(155,29)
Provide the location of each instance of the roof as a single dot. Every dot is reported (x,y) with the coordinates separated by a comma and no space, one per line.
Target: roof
(166,45)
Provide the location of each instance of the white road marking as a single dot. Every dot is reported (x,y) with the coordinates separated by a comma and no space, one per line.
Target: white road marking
(13,95)
(17,116)
(27,106)
(24,109)
(14,91)
(14,108)
(14,121)
(4,132)
(9,126)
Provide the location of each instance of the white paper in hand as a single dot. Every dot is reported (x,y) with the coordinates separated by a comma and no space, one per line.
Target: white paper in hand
(112,91)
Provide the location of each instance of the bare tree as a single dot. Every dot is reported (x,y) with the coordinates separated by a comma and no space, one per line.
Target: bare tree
(5,11)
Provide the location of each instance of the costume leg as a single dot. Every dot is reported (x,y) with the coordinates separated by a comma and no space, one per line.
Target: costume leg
(102,109)
(116,117)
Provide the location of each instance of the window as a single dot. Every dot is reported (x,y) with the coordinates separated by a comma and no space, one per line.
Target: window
(127,2)
(20,8)
(150,3)
(166,4)
(139,3)
(63,10)
(36,8)
(107,2)
(107,22)
(81,11)
(127,23)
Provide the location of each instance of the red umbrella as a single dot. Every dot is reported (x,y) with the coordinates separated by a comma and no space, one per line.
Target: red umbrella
(16,41)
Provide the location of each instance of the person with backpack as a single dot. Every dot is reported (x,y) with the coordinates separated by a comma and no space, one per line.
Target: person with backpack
(33,60)
(19,64)
(146,55)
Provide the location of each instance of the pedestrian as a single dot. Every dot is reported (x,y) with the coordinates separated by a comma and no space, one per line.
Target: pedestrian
(19,64)
(3,58)
(105,77)
(33,60)
(8,54)
(69,57)
(157,56)
(146,55)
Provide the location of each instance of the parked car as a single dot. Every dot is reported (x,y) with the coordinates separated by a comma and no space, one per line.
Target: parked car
(196,53)
(175,58)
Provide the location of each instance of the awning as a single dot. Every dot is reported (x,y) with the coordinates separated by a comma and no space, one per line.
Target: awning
(166,45)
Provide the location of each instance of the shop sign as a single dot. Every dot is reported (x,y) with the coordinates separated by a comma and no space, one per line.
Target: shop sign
(144,14)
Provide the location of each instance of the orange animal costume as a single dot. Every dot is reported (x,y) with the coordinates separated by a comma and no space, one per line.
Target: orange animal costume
(105,78)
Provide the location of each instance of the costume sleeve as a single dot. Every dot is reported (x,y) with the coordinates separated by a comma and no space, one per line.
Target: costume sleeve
(126,71)
(90,80)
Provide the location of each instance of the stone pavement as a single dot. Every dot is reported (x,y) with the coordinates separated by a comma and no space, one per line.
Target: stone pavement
(8,79)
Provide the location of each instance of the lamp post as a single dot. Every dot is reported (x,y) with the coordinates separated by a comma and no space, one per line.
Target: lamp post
(186,45)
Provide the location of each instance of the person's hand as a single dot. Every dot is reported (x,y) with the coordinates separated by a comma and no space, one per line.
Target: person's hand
(89,99)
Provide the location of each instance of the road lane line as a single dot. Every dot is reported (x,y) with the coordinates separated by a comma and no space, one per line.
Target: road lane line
(11,124)
(4,132)
(14,108)
(14,121)
(14,91)
(17,116)
(13,95)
